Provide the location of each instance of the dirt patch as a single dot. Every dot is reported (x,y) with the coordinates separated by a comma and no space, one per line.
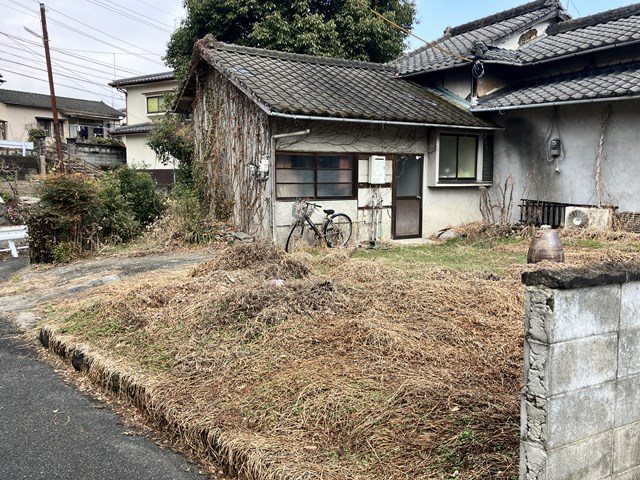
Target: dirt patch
(343,368)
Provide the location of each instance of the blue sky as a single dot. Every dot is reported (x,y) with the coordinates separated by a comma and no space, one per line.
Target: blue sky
(435,15)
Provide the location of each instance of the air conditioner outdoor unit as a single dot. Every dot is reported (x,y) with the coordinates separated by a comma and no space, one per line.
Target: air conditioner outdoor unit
(584,217)
(377,169)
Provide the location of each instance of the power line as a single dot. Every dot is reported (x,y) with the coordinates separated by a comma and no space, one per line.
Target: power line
(155,7)
(88,35)
(109,74)
(65,51)
(103,32)
(46,81)
(143,21)
(26,65)
(93,72)
(143,15)
(37,56)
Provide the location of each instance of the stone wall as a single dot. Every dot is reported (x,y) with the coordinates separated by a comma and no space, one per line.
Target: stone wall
(581,399)
(98,154)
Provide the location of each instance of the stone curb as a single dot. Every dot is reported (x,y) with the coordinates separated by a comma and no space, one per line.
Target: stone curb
(230,452)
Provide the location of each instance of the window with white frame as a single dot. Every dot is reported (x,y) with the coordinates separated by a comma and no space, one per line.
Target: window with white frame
(155,104)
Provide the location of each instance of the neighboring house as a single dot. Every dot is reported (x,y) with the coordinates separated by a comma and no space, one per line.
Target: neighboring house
(484,102)
(79,118)
(145,101)
(552,79)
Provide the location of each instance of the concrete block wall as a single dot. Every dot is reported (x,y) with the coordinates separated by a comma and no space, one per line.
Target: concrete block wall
(581,398)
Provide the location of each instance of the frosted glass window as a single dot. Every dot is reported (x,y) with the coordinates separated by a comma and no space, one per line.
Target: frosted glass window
(458,159)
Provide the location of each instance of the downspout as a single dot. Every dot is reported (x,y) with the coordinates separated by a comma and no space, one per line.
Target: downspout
(274,139)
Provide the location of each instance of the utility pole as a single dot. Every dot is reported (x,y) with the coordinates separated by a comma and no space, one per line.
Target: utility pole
(52,90)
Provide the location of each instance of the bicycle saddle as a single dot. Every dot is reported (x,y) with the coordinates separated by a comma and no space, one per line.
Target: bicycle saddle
(329,212)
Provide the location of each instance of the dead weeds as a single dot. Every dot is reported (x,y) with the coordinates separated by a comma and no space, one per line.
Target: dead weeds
(332,366)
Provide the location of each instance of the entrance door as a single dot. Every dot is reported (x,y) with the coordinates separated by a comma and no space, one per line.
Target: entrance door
(407,196)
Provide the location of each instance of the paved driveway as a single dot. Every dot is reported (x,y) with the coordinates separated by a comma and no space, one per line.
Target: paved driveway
(49,430)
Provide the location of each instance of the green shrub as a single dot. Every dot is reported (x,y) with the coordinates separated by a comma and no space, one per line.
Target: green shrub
(138,189)
(117,221)
(66,252)
(77,213)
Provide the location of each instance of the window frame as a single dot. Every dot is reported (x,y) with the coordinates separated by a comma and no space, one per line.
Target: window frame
(459,180)
(159,111)
(315,156)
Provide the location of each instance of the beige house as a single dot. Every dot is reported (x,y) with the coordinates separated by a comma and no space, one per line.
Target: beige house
(145,101)
(79,118)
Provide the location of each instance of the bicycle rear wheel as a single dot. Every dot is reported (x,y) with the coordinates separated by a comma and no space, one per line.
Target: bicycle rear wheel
(337,230)
(295,238)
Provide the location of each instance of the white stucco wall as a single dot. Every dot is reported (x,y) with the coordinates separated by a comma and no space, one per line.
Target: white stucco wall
(139,155)
(137,100)
(17,117)
(520,150)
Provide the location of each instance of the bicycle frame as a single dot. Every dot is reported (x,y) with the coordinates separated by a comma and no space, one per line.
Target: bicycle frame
(307,219)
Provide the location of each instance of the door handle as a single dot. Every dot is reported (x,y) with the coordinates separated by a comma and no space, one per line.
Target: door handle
(418,197)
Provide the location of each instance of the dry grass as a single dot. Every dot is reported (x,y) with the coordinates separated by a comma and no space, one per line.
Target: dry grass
(367,366)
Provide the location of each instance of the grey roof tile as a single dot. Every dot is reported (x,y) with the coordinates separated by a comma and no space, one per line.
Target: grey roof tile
(601,83)
(458,41)
(608,28)
(131,129)
(306,85)
(65,104)
(149,78)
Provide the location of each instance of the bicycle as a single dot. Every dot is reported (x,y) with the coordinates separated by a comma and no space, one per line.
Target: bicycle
(336,230)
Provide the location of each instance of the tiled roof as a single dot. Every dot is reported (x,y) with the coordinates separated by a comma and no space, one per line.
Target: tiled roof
(131,129)
(610,28)
(602,83)
(459,41)
(65,104)
(292,84)
(149,78)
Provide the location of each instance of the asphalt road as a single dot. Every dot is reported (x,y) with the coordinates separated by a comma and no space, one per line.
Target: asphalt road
(49,430)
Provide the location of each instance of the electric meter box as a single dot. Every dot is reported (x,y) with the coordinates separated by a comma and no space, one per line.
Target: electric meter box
(377,169)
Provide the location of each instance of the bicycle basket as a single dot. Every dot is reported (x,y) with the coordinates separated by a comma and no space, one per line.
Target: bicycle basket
(300,210)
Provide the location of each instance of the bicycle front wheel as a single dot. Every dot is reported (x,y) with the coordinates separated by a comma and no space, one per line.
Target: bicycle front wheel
(295,237)
(337,230)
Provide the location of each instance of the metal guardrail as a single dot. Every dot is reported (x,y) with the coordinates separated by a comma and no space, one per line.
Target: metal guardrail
(12,235)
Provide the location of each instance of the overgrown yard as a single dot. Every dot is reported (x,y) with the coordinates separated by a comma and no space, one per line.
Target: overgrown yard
(393,364)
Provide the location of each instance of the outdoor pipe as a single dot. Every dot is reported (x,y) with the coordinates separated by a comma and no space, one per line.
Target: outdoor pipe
(377,122)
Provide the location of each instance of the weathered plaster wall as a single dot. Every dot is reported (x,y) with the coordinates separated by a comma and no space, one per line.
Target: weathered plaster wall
(442,206)
(581,400)
(520,150)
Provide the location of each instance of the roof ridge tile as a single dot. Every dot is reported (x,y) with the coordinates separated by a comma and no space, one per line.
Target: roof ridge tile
(299,57)
(595,19)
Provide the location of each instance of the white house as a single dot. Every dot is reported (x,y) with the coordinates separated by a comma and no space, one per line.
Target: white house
(79,118)
(144,102)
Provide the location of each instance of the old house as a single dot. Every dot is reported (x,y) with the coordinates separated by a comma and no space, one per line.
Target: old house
(567,94)
(316,124)
(144,102)
(79,118)
(526,94)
